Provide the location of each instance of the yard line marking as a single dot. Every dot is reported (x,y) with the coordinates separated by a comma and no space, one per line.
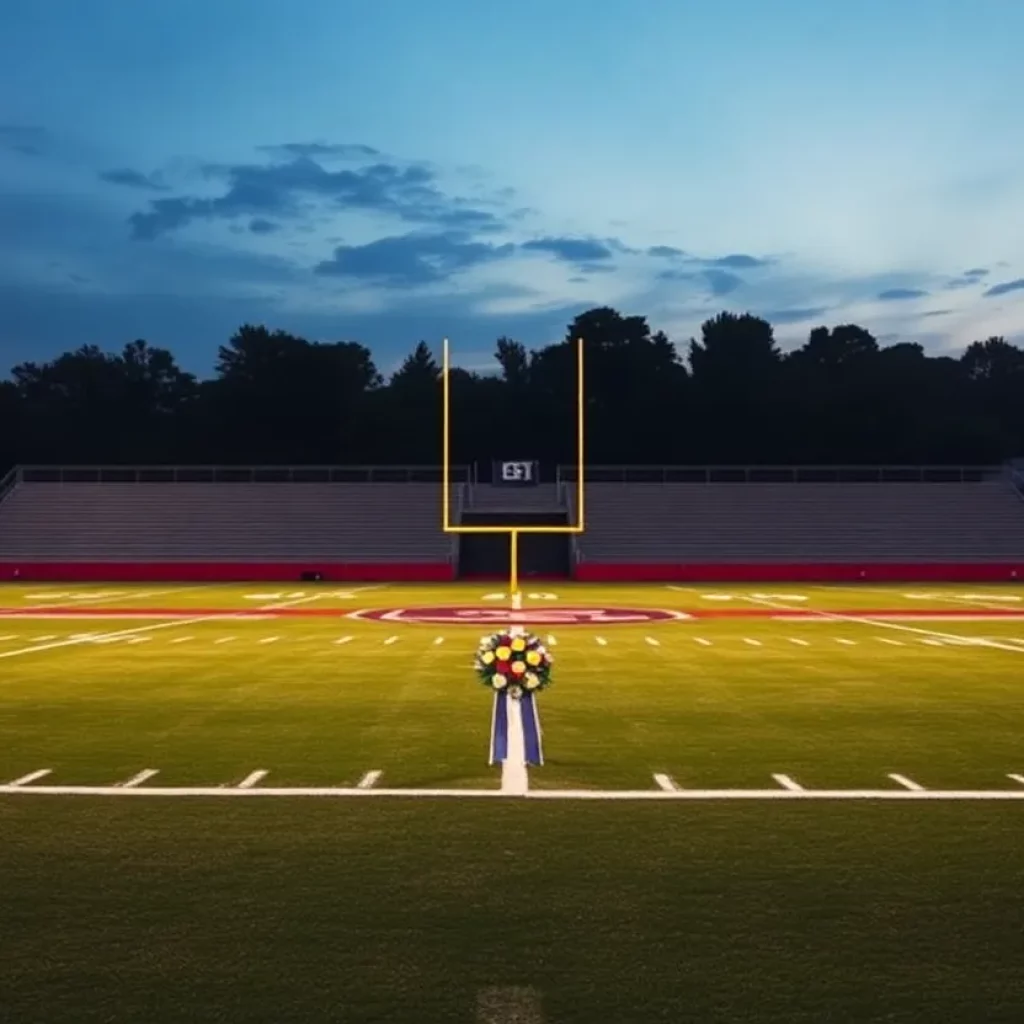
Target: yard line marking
(601,640)
(665,782)
(905,782)
(343,640)
(391,640)
(552,642)
(41,639)
(31,777)
(369,780)
(181,639)
(930,642)
(438,641)
(848,643)
(882,624)
(110,597)
(269,640)
(951,795)
(119,634)
(798,642)
(702,641)
(224,640)
(652,641)
(888,640)
(252,778)
(10,636)
(138,639)
(1017,778)
(752,642)
(512,1004)
(138,780)
(787,783)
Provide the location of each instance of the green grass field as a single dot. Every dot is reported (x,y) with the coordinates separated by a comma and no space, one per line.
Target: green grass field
(699,904)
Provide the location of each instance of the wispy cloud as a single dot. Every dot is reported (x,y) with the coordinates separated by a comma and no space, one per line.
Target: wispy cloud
(131,179)
(1005,288)
(27,139)
(901,294)
(282,189)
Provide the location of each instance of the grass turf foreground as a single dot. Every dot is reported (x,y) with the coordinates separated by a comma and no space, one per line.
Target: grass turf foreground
(401,911)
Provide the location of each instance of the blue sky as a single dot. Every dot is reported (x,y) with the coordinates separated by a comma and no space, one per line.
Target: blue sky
(389,171)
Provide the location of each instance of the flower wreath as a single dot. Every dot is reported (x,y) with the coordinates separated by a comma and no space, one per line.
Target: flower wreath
(518,662)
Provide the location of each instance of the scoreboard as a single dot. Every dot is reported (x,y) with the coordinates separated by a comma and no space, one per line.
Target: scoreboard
(516,474)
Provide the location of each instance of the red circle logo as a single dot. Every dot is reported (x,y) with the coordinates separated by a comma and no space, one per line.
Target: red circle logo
(473,616)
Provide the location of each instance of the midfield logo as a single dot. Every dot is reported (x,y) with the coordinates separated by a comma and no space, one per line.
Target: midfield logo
(472,616)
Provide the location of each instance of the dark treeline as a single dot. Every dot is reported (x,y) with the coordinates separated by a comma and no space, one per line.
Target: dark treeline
(734,398)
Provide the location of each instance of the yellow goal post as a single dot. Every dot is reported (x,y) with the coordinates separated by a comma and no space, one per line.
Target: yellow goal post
(512,530)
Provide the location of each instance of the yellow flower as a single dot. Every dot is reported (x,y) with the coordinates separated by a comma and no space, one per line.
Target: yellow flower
(518,668)
(498,681)
(519,644)
(503,653)
(533,657)
(487,657)
(532,680)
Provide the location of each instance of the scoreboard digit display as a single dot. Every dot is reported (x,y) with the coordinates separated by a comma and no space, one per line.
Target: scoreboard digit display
(517,474)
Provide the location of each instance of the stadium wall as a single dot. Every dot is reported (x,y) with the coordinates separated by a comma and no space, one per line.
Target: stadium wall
(225,572)
(880,572)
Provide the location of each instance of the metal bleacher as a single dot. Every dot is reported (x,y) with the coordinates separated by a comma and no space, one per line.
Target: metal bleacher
(895,516)
(194,514)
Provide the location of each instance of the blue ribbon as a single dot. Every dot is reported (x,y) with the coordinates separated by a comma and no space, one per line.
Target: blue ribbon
(532,744)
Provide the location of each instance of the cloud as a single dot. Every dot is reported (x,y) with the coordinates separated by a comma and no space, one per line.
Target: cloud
(665,252)
(283,189)
(795,316)
(975,272)
(27,139)
(581,251)
(262,226)
(131,179)
(938,312)
(738,261)
(899,294)
(402,261)
(721,281)
(312,150)
(1004,288)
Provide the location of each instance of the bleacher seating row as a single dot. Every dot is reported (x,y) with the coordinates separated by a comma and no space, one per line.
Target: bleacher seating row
(653,523)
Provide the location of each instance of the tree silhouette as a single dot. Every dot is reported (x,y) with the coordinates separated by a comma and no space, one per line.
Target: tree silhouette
(278,398)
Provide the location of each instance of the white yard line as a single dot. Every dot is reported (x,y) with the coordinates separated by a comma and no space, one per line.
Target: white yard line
(954,795)
(883,624)
(969,602)
(369,780)
(652,641)
(74,602)
(143,776)
(665,782)
(269,640)
(798,642)
(116,635)
(31,777)
(1017,778)
(252,778)
(391,640)
(601,641)
(438,640)
(702,641)
(752,642)
(343,640)
(906,783)
(509,1005)
(787,783)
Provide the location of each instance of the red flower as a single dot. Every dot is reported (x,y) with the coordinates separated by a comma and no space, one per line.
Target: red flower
(502,667)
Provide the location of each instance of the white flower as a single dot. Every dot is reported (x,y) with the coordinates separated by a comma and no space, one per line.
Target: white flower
(515,692)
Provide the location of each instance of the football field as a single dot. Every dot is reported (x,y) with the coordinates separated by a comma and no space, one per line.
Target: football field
(759,803)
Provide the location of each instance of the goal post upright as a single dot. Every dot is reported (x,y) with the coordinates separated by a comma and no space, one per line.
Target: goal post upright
(513,531)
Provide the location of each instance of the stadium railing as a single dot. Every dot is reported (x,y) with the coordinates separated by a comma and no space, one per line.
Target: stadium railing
(782,474)
(238,474)
(9,482)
